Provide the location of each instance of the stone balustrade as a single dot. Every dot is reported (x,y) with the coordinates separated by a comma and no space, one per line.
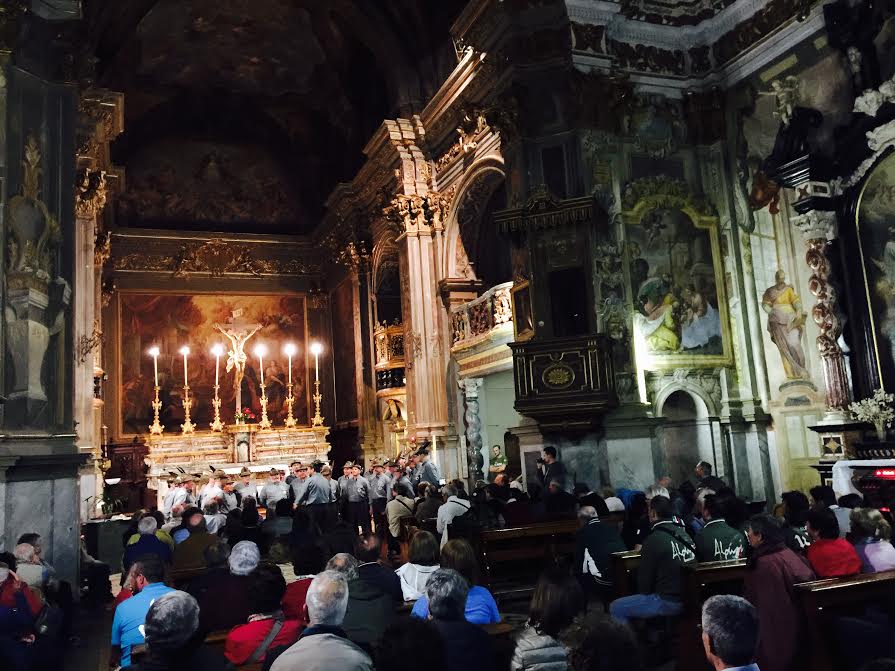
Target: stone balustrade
(490,311)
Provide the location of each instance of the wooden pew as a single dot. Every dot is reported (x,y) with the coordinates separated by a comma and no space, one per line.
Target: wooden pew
(536,544)
(820,601)
(624,572)
(181,579)
(216,640)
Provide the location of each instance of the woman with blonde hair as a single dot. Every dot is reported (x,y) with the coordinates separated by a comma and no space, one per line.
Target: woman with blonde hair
(870,533)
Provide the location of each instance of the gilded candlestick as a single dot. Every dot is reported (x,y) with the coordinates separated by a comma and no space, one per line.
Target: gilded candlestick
(156,429)
(290,401)
(217,424)
(187,426)
(265,422)
(318,420)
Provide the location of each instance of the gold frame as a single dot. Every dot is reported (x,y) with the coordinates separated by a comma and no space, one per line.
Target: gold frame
(526,334)
(710,223)
(117,423)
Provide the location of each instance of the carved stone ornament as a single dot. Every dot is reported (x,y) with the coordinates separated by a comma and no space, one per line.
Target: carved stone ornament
(90,193)
(871,100)
(816,225)
(102,248)
(412,215)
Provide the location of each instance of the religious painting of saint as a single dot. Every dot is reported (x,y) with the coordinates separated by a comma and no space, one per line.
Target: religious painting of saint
(786,325)
(679,310)
(170,321)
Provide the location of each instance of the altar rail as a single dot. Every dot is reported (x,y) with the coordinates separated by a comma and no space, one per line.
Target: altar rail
(490,311)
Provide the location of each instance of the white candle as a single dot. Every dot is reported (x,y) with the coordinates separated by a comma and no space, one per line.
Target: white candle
(185,351)
(290,352)
(217,350)
(261,366)
(316,349)
(154,352)
(260,351)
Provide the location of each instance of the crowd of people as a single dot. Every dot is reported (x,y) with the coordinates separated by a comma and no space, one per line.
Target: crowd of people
(352,601)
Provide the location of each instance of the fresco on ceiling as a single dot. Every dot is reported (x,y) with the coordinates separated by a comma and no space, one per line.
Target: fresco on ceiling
(876,232)
(170,321)
(674,283)
(176,183)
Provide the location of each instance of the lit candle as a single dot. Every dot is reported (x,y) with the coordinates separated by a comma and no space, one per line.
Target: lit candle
(316,349)
(290,352)
(260,351)
(218,351)
(154,352)
(186,352)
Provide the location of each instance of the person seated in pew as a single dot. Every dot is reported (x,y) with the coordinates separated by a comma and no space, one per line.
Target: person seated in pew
(870,533)
(636,526)
(423,557)
(305,565)
(230,601)
(128,624)
(411,645)
(19,606)
(427,509)
(718,541)
(730,633)
(559,504)
(468,647)
(772,570)
(588,497)
(596,643)
(217,569)
(148,544)
(398,508)
(370,609)
(267,626)
(481,608)
(795,512)
(190,554)
(370,569)
(664,552)
(829,555)
(823,496)
(173,641)
(556,603)
(594,544)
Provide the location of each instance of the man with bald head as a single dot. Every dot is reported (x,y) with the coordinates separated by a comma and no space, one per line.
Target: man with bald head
(323,646)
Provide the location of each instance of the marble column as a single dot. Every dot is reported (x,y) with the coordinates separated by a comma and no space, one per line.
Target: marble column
(819,229)
(471,386)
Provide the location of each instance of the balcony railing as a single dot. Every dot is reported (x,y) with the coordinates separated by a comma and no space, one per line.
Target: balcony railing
(490,311)
(389,346)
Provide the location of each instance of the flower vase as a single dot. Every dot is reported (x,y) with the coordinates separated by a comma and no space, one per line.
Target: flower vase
(881,430)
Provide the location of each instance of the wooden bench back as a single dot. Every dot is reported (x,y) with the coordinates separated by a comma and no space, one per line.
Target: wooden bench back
(821,601)
(624,572)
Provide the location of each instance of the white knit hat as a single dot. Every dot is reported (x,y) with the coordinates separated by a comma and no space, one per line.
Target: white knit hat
(244,558)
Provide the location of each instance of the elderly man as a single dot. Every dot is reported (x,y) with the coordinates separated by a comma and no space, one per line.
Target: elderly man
(706,480)
(453,507)
(469,648)
(355,493)
(730,633)
(230,499)
(28,567)
(130,615)
(275,490)
(229,603)
(183,493)
(190,554)
(370,608)
(246,486)
(323,646)
(299,482)
(148,544)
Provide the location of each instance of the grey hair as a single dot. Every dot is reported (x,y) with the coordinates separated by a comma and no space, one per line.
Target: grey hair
(345,564)
(731,624)
(449,491)
(171,621)
(587,513)
(23,552)
(446,591)
(211,508)
(147,526)
(655,490)
(870,522)
(327,598)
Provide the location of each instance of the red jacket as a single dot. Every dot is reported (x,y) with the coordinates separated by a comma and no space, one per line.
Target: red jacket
(8,597)
(243,640)
(294,600)
(833,558)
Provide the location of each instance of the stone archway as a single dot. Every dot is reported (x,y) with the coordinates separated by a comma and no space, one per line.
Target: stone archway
(686,434)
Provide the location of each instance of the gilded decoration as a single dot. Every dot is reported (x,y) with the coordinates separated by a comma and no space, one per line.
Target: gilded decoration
(34,233)
(90,193)
(414,214)
(389,344)
(479,317)
(558,376)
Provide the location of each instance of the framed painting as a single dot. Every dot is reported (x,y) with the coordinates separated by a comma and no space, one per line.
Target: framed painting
(171,320)
(679,309)
(523,324)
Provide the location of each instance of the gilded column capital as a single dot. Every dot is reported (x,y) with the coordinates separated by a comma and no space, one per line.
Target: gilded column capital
(90,193)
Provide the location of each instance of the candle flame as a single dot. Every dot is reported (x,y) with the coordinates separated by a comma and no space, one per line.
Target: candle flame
(260,350)
(316,348)
(218,350)
(185,350)
(154,351)
(290,349)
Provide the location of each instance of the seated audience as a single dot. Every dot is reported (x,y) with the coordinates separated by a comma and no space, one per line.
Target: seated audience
(823,496)
(182,532)
(594,544)
(215,520)
(598,644)
(130,616)
(485,509)
(481,608)
(870,534)
(96,574)
(172,639)
(730,633)
(370,569)
(340,538)
(454,506)
(19,606)
(305,566)
(558,503)
(175,521)
(423,558)
(773,569)
(280,523)
(705,478)
(718,541)
(324,646)
(267,626)
(29,569)
(190,553)
(161,533)
(795,512)
(556,603)
(401,506)
(410,646)
(664,552)
(829,555)
(370,609)
(148,544)
(250,529)
(468,647)
(588,497)
(229,602)
(636,526)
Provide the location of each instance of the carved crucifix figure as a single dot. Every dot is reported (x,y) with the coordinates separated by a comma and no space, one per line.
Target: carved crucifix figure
(238,333)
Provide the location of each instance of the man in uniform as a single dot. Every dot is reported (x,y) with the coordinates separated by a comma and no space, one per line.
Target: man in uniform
(341,485)
(183,494)
(315,496)
(214,490)
(275,490)
(380,493)
(230,499)
(245,486)
(294,468)
(299,482)
(332,508)
(428,471)
(356,496)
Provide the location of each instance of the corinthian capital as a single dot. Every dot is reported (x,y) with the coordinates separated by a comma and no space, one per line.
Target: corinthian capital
(90,193)
(470,386)
(817,224)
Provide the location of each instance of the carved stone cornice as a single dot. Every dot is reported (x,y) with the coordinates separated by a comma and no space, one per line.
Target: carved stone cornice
(816,225)
(544,210)
(415,215)
(90,193)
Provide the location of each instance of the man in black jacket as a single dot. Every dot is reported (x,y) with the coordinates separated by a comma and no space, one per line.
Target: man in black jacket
(594,543)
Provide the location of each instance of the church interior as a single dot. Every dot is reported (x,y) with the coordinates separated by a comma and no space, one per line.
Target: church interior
(649,235)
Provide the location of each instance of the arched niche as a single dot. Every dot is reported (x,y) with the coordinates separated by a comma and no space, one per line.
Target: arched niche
(687,432)
(473,250)
(387,283)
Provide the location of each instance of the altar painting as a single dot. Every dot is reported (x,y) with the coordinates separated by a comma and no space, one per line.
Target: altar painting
(678,303)
(170,321)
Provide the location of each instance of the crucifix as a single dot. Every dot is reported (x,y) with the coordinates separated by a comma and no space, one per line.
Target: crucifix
(238,333)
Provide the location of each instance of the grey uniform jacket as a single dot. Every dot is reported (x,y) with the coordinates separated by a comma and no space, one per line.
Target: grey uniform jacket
(316,491)
(356,490)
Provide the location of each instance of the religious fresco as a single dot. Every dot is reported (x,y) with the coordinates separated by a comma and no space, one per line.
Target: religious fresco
(344,351)
(170,321)
(876,237)
(675,288)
